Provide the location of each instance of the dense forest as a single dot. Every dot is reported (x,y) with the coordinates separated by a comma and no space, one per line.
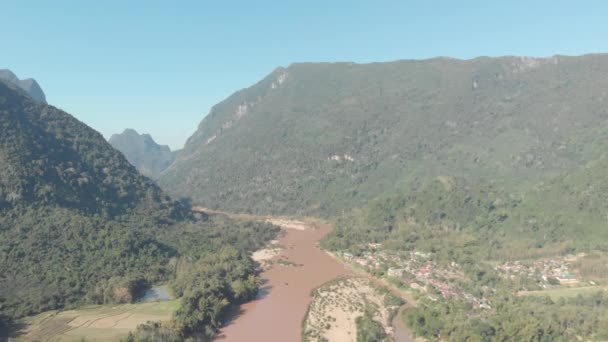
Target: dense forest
(456,218)
(514,319)
(322,138)
(79,224)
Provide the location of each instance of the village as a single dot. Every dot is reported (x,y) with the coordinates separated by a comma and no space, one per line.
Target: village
(418,271)
(547,272)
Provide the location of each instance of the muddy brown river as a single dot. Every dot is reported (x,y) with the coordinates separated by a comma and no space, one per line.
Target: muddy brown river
(277,313)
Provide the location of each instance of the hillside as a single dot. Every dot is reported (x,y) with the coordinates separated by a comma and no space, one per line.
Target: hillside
(63,188)
(443,176)
(143,152)
(29,85)
(79,225)
(50,158)
(320,138)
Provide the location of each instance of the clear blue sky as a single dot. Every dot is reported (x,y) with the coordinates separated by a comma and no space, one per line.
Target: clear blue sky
(159,68)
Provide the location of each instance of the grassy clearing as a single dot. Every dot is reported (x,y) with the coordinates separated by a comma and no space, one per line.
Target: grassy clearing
(565,292)
(96,323)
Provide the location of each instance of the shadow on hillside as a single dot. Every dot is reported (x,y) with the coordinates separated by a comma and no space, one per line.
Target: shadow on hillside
(11,329)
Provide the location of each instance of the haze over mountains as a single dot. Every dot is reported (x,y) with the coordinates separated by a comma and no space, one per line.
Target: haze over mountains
(143,152)
(29,85)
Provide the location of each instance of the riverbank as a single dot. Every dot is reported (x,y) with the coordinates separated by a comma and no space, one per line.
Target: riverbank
(401,333)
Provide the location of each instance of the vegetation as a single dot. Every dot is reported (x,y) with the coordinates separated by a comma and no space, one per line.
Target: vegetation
(209,288)
(520,319)
(78,224)
(285,144)
(368,329)
(478,162)
(467,222)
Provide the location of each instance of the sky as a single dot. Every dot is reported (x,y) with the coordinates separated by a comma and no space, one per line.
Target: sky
(159,66)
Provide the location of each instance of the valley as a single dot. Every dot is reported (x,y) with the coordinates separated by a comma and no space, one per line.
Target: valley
(306,171)
(439,180)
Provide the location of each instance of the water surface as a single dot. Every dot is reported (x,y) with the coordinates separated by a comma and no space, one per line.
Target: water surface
(277,313)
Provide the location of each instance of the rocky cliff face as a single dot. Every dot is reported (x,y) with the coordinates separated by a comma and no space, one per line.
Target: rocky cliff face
(29,85)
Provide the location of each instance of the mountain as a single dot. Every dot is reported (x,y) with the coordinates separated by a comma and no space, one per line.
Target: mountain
(50,158)
(469,164)
(143,152)
(29,85)
(72,210)
(320,138)
(80,225)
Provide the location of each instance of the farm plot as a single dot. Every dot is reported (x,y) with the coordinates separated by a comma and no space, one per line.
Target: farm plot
(96,323)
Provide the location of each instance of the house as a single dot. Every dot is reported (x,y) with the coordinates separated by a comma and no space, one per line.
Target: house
(424,270)
(361,261)
(568,280)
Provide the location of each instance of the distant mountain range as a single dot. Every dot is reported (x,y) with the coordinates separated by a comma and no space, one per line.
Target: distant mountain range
(29,85)
(143,152)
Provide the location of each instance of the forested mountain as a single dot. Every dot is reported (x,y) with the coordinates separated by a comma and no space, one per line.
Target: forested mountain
(64,190)
(79,224)
(29,85)
(143,152)
(520,138)
(473,163)
(322,137)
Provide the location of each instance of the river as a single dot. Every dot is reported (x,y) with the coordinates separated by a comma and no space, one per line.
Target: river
(277,313)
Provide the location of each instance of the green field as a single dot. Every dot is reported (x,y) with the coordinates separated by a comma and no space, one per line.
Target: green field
(565,292)
(96,323)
